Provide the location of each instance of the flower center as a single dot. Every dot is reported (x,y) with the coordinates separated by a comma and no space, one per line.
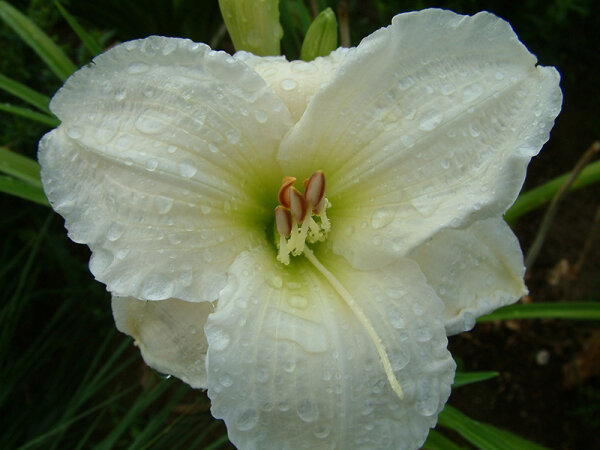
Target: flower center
(301,217)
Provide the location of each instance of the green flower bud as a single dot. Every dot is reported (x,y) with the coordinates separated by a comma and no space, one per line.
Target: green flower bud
(321,37)
(253,25)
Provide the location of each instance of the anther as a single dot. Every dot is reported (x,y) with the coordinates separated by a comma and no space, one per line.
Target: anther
(298,205)
(283,219)
(315,191)
(284,191)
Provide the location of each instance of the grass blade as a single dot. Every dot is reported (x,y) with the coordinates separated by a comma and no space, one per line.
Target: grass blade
(464,378)
(19,166)
(437,441)
(50,121)
(88,41)
(39,41)
(541,195)
(552,310)
(481,435)
(27,191)
(34,98)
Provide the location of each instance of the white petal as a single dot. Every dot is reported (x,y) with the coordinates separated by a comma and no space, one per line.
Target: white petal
(430,123)
(295,82)
(291,367)
(169,333)
(474,271)
(162,165)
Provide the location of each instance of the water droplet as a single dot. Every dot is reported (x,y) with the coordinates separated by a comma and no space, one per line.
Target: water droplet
(163,204)
(447,89)
(151,165)
(382,217)
(308,411)
(120,95)
(396,319)
(115,231)
(288,84)
(138,67)
(303,67)
(152,122)
(213,148)
(169,47)
(418,308)
(172,149)
(206,209)
(405,83)
(322,430)
(246,419)
(499,76)
(234,136)
(471,92)
(225,379)
(445,164)
(431,120)
(262,376)
(349,230)
(298,302)
(261,116)
(274,280)
(74,132)
(187,169)
(157,287)
(283,406)
(474,132)
(423,333)
(218,339)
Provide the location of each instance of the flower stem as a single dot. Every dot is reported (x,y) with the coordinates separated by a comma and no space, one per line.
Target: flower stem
(362,318)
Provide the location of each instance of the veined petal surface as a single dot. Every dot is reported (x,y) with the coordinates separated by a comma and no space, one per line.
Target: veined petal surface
(474,271)
(169,333)
(289,365)
(429,124)
(164,164)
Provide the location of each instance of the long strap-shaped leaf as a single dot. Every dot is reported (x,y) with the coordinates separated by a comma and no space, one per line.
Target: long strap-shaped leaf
(481,435)
(34,98)
(52,55)
(550,310)
(24,190)
(19,166)
(51,121)
(88,41)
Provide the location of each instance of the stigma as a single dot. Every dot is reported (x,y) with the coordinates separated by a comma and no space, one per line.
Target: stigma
(301,218)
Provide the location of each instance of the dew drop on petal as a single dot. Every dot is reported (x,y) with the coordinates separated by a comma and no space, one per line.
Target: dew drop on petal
(138,67)
(219,340)
(152,122)
(431,120)
(120,95)
(151,165)
(382,217)
(261,116)
(307,411)
(157,287)
(187,169)
(322,430)
(246,419)
(225,379)
(288,84)
(74,132)
(298,302)
(163,204)
(471,92)
(115,231)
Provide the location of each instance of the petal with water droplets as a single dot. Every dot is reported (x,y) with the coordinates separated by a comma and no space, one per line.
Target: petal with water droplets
(290,366)
(474,271)
(430,123)
(160,167)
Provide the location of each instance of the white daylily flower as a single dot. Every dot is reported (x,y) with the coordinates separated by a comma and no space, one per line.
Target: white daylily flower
(328,328)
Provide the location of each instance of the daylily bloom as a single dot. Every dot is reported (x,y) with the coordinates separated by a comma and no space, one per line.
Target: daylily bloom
(315,314)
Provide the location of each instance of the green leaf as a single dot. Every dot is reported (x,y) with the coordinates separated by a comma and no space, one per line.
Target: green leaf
(541,195)
(481,435)
(24,190)
(552,310)
(437,441)
(51,121)
(50,53)
(19,166)
(88,41)
(321,37)
(464,378)
(25,93)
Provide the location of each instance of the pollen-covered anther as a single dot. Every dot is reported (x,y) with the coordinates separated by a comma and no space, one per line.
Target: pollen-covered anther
(315,191)
(294,215)
(284,191)
(283,220)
